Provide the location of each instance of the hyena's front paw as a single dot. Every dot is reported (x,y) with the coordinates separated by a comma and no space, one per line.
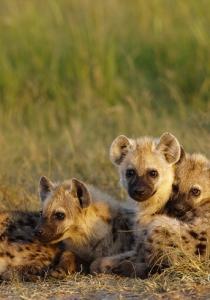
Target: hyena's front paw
(131,269)
(58,273)
(102,265)
(66,265)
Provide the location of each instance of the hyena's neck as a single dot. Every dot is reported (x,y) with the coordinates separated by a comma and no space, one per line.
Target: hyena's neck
(92,226)
(155,204)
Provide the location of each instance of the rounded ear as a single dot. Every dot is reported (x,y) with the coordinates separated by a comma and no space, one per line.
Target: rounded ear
(119,149)
(170,147)
(45,187)
(182,155)
(80,191)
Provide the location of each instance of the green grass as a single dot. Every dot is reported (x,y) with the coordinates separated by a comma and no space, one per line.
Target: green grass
(76,73)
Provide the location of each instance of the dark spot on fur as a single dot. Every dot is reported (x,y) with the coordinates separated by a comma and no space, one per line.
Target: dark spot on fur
(150,240)
(2,237)
(200,249)
(203,233)
(193,234)
(185,239)
(194,211)
(75,228)
(106,219)
(172,245)
(32,256)
(1,254)
(9,255)
(202,239)
(166,233)
(144,232)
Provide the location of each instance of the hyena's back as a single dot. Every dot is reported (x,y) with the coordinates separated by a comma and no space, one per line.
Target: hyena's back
(18,225)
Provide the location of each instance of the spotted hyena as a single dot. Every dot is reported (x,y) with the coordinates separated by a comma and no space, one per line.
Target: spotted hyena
(147,169)
(90,223)
(188,233)
(182,228)
(22,254)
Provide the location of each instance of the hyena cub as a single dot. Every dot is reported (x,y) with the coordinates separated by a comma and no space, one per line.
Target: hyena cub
(21,253)
(90,223)
(146,168)
(187,235)
(190,199)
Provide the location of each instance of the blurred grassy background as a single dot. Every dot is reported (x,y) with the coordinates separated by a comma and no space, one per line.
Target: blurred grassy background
(76,73)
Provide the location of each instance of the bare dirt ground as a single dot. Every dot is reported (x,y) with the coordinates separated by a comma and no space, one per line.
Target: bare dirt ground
(105,287)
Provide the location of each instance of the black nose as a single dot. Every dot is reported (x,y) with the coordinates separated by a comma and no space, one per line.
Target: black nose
(38,232)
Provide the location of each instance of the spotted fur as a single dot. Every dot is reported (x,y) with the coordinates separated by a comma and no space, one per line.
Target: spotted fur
(89,222)
(21,253)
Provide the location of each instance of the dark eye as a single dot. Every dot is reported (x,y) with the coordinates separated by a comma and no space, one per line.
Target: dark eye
(175,188)
(153,173)
(195,192)
(59,216)
(130,173)
(40,213)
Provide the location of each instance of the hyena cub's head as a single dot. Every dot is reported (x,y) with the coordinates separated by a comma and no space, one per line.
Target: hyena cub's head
(191,186)
(146,165)
(61,205)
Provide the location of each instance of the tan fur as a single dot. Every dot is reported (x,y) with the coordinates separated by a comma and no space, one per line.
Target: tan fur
(193,172)
(94,225)
(146,154)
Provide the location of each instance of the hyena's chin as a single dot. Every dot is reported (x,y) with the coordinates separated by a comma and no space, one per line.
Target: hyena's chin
(51,239)
(141,197)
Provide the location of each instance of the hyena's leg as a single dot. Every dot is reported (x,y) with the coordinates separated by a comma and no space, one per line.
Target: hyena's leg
(169,241)
(151,252)
(66,265)
(107,264)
